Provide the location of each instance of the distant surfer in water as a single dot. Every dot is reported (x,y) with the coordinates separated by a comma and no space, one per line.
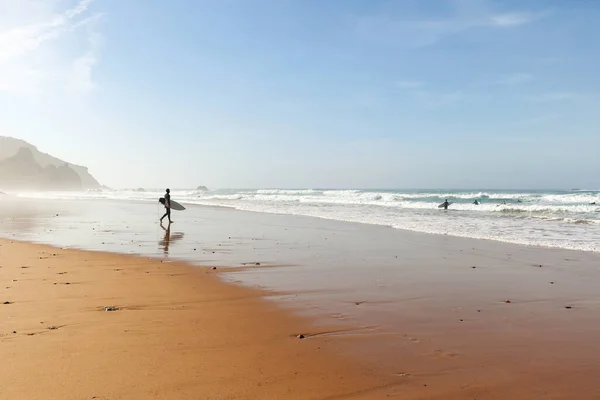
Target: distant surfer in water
(445,204)
(476,202)
(167,206)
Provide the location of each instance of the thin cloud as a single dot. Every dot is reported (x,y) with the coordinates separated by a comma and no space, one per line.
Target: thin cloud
(540,119)
(80,81)
(23,39)
(398,27)
(511,19)
(435,99)
(80,8)
(428,97)
(81,77)
(551,97)
(408,84)
(515,79)
(25,63)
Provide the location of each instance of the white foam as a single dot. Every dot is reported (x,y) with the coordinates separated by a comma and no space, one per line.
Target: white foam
(287,191)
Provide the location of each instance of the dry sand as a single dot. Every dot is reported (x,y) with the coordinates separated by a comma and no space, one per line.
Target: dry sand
(178,333)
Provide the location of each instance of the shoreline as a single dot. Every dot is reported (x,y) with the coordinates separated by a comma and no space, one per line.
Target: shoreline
(178,333)
(414,230)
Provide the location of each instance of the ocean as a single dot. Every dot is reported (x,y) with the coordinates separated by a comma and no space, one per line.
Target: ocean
(562,219)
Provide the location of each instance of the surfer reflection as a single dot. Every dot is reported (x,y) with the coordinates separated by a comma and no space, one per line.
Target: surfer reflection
(168,238)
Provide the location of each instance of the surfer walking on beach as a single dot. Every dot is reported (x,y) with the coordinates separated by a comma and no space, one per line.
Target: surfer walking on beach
(167,204)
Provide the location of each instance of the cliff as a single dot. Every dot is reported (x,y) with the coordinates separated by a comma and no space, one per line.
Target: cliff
(23,166)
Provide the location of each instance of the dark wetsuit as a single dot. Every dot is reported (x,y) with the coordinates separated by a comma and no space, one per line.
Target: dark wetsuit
(167,207)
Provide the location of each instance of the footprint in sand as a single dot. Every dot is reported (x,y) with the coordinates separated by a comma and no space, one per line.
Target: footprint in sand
(444,354)
(412,339)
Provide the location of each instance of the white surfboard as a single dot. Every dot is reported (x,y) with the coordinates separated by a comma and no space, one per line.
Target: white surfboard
(174,205)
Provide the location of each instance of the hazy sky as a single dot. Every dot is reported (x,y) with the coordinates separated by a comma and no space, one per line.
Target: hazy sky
(308,93)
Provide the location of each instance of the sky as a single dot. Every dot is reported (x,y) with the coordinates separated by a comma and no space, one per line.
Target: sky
(308,93)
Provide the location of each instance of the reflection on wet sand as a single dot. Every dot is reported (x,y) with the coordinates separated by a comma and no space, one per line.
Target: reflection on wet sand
(168,238)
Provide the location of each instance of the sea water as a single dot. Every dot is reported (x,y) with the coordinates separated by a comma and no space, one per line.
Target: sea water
(564,219)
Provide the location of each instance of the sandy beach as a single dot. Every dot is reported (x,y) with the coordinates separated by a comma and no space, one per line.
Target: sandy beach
(385,312)
(176,333)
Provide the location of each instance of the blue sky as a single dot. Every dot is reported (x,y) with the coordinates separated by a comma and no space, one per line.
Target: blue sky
(307,93)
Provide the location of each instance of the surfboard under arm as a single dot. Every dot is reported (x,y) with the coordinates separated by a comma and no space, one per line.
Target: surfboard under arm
(174,205)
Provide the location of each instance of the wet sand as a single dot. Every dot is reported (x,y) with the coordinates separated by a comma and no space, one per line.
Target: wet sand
(177,333)
(521,324)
